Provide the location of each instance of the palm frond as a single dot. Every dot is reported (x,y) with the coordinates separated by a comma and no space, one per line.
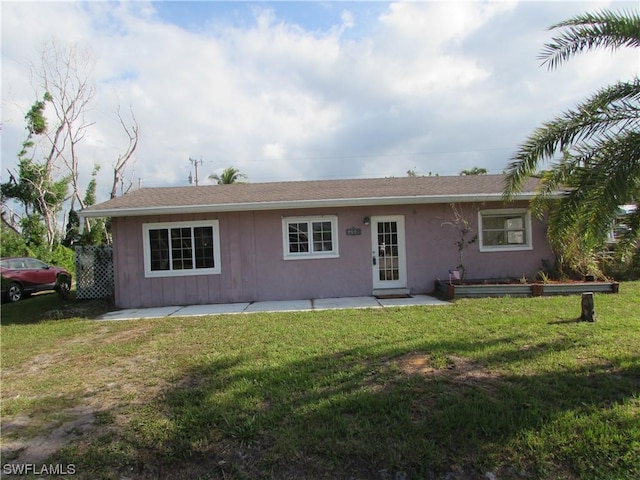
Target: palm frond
(612,108)
(600,184)
(604,29)
(553,180)
(600,145)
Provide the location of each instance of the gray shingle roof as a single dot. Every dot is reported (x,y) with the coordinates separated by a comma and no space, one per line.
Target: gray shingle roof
(280,195)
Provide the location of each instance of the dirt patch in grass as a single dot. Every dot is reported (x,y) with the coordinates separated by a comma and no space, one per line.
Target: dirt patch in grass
(98,396)
(42,362)
(78,421)
(458,369)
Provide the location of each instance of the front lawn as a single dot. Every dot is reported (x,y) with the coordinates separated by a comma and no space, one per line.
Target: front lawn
(491,388)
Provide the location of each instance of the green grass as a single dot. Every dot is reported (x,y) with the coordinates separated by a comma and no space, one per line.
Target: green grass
(516,387)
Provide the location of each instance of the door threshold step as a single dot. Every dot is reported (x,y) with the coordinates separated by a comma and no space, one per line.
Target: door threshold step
(391,293)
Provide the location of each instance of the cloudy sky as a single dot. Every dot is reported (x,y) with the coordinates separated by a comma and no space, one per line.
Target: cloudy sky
(305,90)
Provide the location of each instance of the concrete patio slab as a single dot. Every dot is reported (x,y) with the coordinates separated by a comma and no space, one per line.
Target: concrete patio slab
(135,313)
(280,306)
(345,302)
(271,306)
(211,309)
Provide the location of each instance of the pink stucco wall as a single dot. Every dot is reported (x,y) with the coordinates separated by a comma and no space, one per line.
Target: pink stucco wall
(253,268)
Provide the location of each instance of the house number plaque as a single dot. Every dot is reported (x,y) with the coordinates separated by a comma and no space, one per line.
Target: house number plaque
(353,231)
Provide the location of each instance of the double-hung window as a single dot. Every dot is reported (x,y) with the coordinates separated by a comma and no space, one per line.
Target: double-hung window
(504,230)
(181,248)
(310,237)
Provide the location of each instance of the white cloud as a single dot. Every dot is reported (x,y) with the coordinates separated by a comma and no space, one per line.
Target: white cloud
(439,86)
(273,151)
(433,25)
(347,20)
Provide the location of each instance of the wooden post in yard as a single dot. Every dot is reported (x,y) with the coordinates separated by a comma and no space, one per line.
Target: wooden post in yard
(588,308)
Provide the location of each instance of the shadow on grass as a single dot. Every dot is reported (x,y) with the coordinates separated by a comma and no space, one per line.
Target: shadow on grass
(50,306)
(361,414)
(560,321)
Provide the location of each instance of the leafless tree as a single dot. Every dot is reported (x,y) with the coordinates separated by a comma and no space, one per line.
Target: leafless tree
(119,167)
(10,218)
(58,125)
(64,72)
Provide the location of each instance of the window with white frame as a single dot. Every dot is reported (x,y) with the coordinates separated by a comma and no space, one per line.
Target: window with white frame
(504,230)
(310,237)
(181,248)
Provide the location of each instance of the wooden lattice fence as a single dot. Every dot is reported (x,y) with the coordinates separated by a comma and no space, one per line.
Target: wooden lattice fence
(94,272)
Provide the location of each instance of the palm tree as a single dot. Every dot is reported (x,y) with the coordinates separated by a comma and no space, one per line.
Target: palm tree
(228,175)
(598,143)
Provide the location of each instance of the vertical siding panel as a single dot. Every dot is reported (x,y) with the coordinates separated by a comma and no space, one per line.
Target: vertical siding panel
(144,294)
(248,248)
(180,290)
(168,291)
(223,285)
(201,289)
(235,256)
(268,253)
(191,290)
(151,293)
(215,292)
(178,287)
(119,264)
(129,270)
(213,286)
(151,288)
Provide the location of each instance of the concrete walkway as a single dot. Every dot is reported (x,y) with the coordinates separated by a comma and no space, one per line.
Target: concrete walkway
(273,306)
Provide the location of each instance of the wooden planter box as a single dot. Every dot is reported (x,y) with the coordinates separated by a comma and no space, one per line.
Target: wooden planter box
(452,291)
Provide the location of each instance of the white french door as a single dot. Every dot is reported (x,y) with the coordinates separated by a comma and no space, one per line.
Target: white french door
(389,258)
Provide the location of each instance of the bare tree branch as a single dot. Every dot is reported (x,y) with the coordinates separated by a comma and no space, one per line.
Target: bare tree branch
(65,74)
(133,133)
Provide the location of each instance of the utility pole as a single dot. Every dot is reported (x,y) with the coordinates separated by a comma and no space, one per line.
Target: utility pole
(195,164)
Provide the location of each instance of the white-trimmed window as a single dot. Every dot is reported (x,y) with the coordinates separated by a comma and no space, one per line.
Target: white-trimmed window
(310,237)
(181,248)
(504,230)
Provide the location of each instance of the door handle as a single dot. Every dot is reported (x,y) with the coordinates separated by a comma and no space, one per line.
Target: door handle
(374,260)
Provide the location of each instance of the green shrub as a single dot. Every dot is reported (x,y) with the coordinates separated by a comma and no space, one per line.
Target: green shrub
(14,245)
(623,269)
(11,244)
(60,255)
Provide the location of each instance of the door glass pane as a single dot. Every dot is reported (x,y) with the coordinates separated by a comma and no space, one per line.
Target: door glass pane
(388,251)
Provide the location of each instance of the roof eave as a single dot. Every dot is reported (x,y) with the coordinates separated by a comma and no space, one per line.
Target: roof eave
(299,204)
